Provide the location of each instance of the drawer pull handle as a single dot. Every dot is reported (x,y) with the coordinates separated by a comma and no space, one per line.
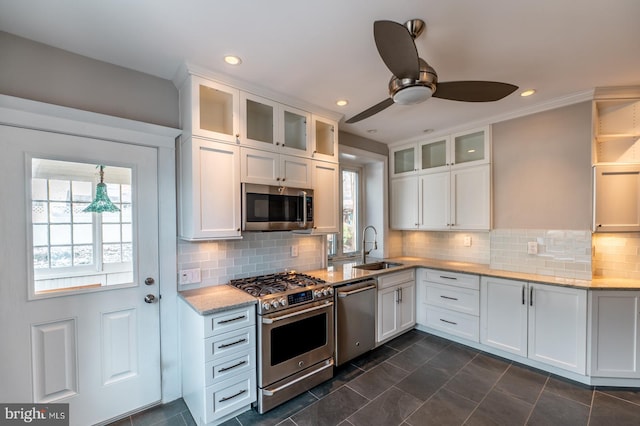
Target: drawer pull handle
(232,319)
(448,322)
(447,278)
(231,367)
(449,297)
(226,345)
(226,398)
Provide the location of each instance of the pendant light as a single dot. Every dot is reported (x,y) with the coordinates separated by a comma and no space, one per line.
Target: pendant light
(101,203)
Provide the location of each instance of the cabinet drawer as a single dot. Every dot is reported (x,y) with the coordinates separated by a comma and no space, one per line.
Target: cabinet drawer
(229,395)
(226,321)
(389,280)
(229,366)
(469,281)
(456,323)
(229,343)
(455,298)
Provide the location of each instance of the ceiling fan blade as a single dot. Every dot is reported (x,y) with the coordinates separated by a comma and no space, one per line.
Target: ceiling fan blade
(397,49)
(371,111)
(474,91)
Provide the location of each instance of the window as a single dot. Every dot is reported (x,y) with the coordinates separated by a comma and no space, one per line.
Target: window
(351,202)
(72,248)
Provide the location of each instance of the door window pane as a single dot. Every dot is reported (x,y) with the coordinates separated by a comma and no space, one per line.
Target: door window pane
(71,246)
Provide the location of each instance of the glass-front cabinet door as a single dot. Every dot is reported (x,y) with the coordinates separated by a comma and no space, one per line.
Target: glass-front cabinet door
(213,111)
(434,155)
(471,147)
(325,139)
(259,120)
(295,128)
(403,160)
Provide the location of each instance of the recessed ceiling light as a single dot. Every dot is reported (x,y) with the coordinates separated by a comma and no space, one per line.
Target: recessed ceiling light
(372,131)
(528,92)
(427,131)
(232,60)
(342,102)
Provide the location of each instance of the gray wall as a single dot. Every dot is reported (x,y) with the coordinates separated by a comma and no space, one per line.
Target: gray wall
(43,73)
(542,170)
(365,144)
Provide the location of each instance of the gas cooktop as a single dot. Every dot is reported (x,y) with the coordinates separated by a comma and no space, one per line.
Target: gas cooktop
(282,290)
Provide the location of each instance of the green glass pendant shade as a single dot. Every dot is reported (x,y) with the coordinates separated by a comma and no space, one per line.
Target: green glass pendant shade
(101,203)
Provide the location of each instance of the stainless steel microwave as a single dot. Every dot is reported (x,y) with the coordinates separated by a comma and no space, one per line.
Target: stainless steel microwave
(276,208)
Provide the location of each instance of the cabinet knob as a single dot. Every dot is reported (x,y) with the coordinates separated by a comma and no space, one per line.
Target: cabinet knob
(277,143)
(278,179)
(283,179)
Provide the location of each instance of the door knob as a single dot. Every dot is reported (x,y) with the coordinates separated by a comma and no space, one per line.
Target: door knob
(150,298)
(149,281)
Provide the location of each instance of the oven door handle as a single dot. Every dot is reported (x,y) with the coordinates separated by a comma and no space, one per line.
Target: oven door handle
(271,392)
(296,313)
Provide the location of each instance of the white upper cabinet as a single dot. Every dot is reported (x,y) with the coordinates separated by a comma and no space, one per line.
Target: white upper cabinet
(209,190)
(326,197)
(210,109)
(324,134)
(270,168)
(443,183)
(273,126)
(616,196)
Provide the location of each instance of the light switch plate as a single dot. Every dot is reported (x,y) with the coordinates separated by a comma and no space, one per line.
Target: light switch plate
(189,276)
(466,241)
(294,250)
(532,247)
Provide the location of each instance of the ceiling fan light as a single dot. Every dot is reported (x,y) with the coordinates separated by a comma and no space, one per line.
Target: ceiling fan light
(412,95)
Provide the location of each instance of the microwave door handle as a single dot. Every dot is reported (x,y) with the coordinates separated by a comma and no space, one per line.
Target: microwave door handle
(304,209)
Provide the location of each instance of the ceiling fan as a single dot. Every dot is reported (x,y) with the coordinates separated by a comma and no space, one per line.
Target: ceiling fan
(413,80)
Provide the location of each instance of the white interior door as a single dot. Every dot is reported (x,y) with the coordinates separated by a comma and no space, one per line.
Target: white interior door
(96,347)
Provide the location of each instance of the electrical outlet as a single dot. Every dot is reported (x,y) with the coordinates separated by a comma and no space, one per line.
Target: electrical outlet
(532,247)
(467,241)
(294,251)
(189,276)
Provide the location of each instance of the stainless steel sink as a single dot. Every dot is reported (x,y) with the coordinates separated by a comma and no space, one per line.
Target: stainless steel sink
(376,266)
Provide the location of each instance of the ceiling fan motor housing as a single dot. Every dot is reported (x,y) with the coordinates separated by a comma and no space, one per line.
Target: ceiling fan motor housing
(408,91)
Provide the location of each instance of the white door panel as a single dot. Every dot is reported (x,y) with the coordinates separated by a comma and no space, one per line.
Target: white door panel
(97,349)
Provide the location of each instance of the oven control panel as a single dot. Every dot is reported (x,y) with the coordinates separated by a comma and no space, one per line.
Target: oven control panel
(280,302)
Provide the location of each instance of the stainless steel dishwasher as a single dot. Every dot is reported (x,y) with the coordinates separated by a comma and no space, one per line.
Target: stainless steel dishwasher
(355,319)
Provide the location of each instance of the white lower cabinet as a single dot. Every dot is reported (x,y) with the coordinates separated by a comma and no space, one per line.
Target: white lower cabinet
(615,334)
(545,323)
(396,304)
(218,363)
(449,302)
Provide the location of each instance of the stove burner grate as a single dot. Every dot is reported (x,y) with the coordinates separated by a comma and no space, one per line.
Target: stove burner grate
(275,283)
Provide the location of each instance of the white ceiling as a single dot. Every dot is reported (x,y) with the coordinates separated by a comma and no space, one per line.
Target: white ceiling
(321,51)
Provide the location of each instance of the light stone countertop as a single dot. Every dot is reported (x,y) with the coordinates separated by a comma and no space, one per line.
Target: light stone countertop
(218,298)
(345,272)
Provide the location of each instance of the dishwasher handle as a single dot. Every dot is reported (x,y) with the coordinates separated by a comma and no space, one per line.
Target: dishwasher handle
(342,294)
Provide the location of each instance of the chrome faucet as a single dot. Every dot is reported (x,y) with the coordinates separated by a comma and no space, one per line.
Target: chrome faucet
(364,242)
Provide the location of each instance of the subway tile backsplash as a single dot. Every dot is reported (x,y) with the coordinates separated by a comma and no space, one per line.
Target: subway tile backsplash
(616,255)
(447,246)
(560,253)
(256,254)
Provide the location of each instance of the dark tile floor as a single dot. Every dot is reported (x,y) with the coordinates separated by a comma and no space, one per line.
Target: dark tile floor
(419,379)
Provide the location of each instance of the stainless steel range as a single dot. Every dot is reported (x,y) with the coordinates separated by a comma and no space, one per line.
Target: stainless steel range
(295,334)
